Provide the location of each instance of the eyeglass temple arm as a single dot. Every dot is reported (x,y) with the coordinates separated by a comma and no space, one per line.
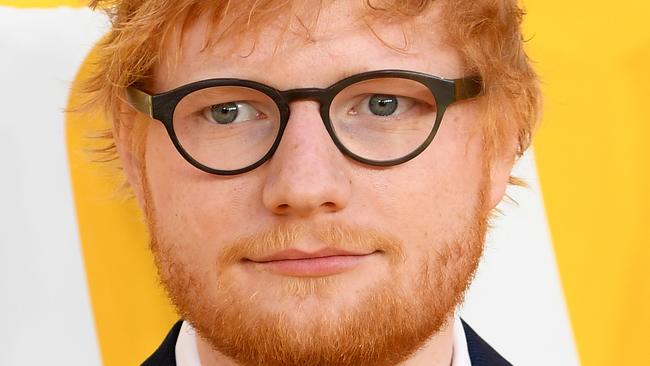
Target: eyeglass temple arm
(139,100)
(467,88)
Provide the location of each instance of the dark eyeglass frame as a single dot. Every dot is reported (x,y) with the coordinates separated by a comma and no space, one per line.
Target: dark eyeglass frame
(445,91)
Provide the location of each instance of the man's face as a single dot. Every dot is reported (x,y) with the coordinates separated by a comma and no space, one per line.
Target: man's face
(400,242)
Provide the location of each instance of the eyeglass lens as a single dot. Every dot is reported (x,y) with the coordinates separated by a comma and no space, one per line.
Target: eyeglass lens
(383,119)
(226,127)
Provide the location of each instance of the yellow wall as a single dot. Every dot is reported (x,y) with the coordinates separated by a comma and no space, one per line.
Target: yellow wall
(593,157)
(43,3)
(132,314)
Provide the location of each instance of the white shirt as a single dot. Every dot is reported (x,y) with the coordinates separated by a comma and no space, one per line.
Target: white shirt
(188,355)
(460,353)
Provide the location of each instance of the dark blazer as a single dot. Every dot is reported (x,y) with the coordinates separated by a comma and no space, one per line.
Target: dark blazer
(480,352)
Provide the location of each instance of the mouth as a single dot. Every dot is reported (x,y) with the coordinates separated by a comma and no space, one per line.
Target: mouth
(297,263)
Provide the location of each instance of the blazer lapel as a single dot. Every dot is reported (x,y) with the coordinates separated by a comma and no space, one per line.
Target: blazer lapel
(165,355)
(480,352)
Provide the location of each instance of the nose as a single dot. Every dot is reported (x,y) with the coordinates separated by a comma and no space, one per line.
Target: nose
(307,174)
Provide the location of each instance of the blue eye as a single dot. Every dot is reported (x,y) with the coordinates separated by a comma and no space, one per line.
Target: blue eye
(224,113)
(230,112)
(382,105)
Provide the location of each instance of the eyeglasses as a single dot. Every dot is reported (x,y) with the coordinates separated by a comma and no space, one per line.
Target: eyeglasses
(231,126)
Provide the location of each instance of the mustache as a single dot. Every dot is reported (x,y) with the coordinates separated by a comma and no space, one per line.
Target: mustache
(333,235)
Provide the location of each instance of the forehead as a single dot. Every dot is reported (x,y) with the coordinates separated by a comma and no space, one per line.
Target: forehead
(305,47)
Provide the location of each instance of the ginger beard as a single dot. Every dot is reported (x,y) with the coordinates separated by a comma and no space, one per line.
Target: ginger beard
(386,324)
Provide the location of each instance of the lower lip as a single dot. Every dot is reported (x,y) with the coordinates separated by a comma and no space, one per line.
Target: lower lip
(313,267)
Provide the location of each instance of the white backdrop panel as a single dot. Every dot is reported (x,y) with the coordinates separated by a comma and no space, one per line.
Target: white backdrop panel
(45,308)
(516,301)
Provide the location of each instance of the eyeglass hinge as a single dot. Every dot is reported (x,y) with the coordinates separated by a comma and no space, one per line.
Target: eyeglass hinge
(140,100)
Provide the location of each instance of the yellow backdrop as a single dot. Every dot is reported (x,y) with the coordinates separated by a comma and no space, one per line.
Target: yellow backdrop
(43,3)
(593,157)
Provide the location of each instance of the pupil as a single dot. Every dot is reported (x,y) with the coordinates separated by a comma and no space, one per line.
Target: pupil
(382,105)
(224,113)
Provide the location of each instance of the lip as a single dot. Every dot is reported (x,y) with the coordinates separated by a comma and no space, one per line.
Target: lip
(293,254)
(297,263)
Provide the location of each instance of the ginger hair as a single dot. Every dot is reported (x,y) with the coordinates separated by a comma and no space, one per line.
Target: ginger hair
(486,34)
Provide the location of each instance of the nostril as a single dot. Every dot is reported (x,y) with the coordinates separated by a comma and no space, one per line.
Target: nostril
(283,206)
(329,206)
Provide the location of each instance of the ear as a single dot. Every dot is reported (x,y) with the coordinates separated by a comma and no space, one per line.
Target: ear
(500,170)
(123,133)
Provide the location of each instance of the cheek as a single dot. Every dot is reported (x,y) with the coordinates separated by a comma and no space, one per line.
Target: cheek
(194,210)
(454,164)
(433,196)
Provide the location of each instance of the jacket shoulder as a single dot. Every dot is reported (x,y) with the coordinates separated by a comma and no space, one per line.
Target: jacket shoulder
(165,355)
(480,352)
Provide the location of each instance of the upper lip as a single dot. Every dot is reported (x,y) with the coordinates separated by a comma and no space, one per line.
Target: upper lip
(293,253)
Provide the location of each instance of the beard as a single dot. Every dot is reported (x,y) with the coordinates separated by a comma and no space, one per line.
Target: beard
(300,321)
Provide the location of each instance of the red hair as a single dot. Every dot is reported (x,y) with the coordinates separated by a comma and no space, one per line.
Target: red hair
(486,34)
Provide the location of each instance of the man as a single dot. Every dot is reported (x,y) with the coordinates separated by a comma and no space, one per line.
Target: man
(317,177)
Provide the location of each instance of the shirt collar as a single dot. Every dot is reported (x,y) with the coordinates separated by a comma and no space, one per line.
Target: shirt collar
(460,353)
(186,352)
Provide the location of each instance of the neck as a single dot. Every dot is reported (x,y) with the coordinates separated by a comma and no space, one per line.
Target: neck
(437,351)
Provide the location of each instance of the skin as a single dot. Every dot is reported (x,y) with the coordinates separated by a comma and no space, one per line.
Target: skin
(309,180)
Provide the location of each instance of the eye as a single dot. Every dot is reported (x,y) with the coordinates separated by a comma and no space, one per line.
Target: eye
(230,112)
(382,105)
